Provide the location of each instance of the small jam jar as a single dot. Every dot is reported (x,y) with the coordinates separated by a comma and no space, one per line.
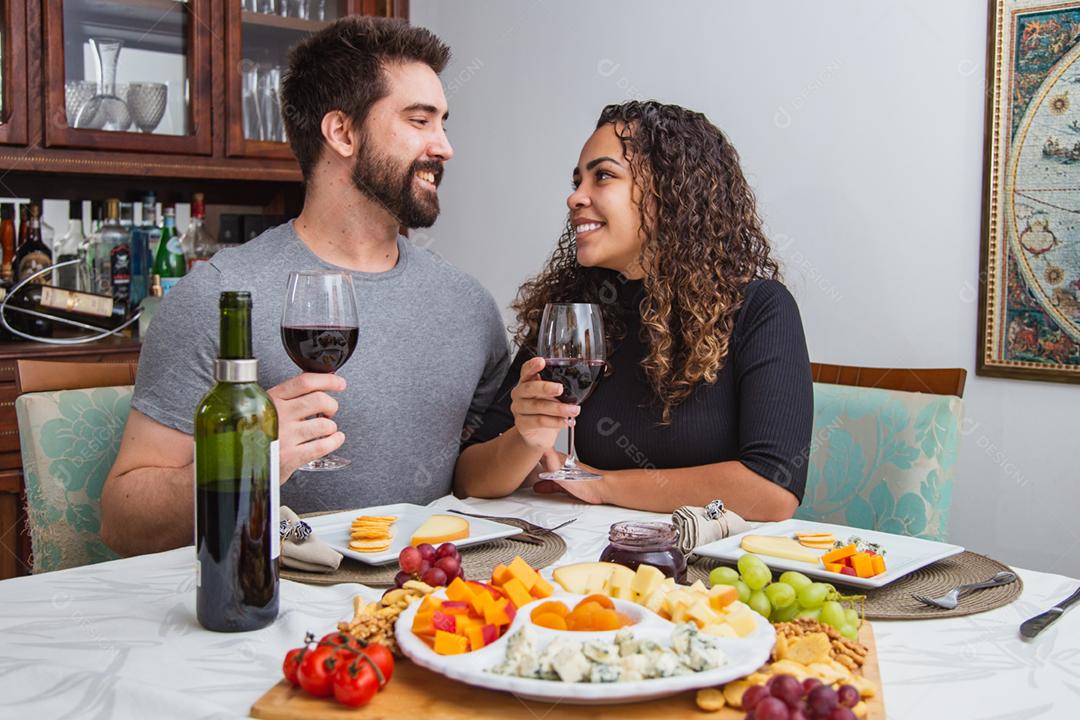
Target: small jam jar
(649,543)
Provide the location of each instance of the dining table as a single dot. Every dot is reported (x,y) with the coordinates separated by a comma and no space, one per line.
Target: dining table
(120,639)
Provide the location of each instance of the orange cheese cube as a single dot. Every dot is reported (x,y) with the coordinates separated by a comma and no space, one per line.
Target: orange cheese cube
(476,637)
(430,603)
(523,572)
(450,643)
(424,623)
(517,592)
(862,565)
(835,556)
(877,562)
(500,575)
(480,601)
(495,614)
(458,590)
(542,588)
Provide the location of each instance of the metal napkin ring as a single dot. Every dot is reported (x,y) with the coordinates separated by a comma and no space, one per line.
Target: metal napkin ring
(714,509)
(298,531)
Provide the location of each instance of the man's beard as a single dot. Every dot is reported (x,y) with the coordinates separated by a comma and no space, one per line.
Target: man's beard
(380,179)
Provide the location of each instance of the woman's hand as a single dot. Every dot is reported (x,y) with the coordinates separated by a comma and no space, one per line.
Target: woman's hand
(593,492)
(538,416)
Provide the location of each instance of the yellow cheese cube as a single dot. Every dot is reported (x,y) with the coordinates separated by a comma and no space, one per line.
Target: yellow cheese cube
(645,581)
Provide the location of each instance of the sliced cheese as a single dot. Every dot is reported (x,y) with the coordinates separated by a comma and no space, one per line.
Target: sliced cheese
(619,583)
(438,529)
(575,578)
(647,579)
(781,547)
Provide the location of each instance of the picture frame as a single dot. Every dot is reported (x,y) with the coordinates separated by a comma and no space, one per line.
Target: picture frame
(1029,280)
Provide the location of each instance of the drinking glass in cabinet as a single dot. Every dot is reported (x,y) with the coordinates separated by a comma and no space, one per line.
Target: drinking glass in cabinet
(126,66)
(250,98)
(273,128)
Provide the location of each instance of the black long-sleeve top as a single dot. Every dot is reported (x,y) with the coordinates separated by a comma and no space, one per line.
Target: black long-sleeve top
(759,410)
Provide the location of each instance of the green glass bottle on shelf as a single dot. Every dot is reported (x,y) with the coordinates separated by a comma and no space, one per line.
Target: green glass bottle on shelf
(236,486)
(169,263)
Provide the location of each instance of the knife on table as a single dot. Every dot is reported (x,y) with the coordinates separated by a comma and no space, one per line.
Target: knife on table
(1040,622)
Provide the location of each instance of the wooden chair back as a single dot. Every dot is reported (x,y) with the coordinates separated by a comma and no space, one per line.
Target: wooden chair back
(47,375)
(937,381)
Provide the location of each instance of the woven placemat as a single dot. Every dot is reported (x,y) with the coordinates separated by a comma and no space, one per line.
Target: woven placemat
(895,601)
(478,560)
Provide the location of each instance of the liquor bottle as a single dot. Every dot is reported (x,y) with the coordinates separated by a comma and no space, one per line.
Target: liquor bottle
(149,305)
(127,216)
(98,310)
(169,263)
(144,240)
(7,234)
(236,486)
(112,256)
(24,225)
(199,245)
(7,279)
(97,216)
(74,276)
(31,257)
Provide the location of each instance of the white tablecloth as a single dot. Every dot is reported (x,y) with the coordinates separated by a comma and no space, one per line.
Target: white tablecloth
(120,640)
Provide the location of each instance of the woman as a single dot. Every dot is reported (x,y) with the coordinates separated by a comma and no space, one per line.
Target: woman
(708,393)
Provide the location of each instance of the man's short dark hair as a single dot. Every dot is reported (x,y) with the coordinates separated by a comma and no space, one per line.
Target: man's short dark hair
(342,68)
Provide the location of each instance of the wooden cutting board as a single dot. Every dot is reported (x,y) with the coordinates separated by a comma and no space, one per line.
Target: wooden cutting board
(420,694)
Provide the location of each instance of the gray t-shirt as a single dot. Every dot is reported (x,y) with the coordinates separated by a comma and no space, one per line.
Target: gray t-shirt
(431,354)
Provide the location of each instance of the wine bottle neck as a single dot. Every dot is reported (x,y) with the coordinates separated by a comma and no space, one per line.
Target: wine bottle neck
(235,333)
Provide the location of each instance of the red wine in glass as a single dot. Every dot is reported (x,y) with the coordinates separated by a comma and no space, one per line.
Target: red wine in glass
(571,341)
(319,348)
(578,377)
(319,330)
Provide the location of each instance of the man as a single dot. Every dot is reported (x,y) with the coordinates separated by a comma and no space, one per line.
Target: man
(365,115)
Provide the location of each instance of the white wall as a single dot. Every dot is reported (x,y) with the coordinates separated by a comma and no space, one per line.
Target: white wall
(860,125)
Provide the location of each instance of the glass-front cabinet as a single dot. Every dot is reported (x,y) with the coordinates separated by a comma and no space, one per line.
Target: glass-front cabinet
(128,75)
(261,32)
(12,72)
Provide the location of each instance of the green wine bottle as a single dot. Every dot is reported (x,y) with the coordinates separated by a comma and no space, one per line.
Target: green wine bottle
(236,486)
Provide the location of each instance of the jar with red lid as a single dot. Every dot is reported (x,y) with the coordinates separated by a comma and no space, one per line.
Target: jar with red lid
(633,543)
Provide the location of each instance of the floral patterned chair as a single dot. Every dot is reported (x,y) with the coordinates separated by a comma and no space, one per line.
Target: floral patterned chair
(883,457)
(69,440)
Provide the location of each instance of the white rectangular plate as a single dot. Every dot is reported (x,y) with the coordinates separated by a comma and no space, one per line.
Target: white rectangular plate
(333,529)
(903,554)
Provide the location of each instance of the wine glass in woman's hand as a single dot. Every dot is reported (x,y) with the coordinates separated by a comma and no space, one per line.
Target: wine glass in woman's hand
(319,329)
(572,345)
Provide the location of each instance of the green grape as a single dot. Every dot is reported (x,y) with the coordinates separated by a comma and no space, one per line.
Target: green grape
(795,579)
(759,603)
(744,591)
(813,595)
(781,595)
(814,614)
(786,614)
(851,616)
(832,613)
(850,632)
(723,576)
(755,573)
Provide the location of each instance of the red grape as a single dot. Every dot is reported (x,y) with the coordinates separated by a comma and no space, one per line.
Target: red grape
(424,565)
(809,684)
(434,577)
(847,696)
(401,578)
(447,549)
(409,559)
(449,565)
(841,713)
(771,709)
(821,700)
(797,714)
(427,551)
(789,690)
(753,695)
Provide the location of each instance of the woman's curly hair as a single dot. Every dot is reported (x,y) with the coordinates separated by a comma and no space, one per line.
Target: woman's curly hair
(702,242)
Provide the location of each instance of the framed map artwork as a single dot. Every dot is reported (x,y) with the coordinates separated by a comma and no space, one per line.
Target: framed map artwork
(1029,315)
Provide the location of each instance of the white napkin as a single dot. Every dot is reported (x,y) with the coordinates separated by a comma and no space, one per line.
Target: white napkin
(301,549)
(702,525)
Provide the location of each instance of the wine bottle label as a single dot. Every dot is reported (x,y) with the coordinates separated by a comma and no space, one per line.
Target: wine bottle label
(32,263)
(174,245)
(275,501)
(59,299)
(195,514)
(167,283)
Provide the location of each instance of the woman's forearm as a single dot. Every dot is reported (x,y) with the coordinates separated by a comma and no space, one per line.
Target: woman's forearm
(495,468)
(663,490)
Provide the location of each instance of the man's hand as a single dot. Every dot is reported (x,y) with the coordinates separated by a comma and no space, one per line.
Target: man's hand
(303,435)
(538,415)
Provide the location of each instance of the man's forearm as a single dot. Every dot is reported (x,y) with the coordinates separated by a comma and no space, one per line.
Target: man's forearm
(495,468)
(148,510)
